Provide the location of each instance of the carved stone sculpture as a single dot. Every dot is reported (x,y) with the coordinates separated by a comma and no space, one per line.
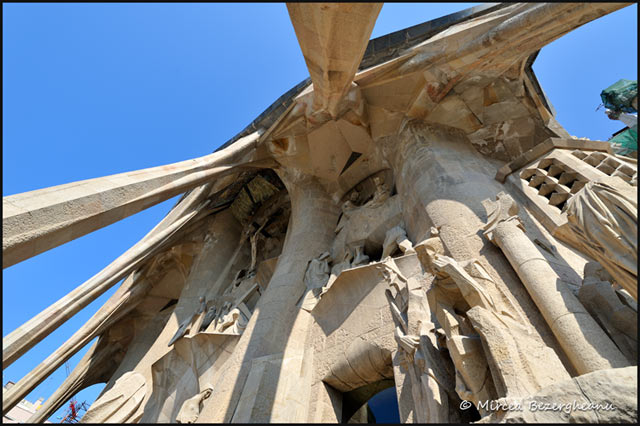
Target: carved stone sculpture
(360,258)
(396,237)
(418,356)
(221,317)
(381,194)
(315,278)
(611,311)
(440,115)
(337,268)
(604,217)
(208,318)
(190,409)
(490,315)
(582,339)
(349,205)
(254,245)
(235,321)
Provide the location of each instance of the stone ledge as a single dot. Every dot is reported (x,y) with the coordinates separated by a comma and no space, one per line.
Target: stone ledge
(546,146)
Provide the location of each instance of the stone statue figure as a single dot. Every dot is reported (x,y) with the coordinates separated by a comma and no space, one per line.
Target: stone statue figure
(253,240)
(351,202)
(418,354)
(208,318)
(494,349)
(396,238)
(226,307)
(199,316)
(604,218)
(361,258)
(188,321)
(190,410)
(610,309)
(317,273)
(381,194)
(315,278)
(339,267)
(349,205)
(235,321)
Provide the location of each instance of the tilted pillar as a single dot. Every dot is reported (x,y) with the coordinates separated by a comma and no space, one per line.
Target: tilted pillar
(588,347)
(36,221)
(266,380)
(120,304)
(95,366)
(16,343)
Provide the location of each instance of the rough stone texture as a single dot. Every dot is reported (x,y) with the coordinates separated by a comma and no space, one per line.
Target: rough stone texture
(582,339)
(340,245)
(40,220)
(333,38)
(604,216)
(576,400)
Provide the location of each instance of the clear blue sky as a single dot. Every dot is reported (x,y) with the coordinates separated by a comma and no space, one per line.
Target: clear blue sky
(95,89)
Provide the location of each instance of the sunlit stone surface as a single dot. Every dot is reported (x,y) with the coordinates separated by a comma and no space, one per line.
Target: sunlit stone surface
(412,218)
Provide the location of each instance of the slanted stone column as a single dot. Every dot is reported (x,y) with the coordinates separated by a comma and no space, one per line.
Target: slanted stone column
(19,341)
(95,366)
(36,221)
(589,349)
(269,377)
(443,180)
(121,303)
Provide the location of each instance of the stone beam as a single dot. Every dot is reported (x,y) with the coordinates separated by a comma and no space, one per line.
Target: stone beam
(33,331)
(333,38)
(36,221)
(520,30)
(121,303)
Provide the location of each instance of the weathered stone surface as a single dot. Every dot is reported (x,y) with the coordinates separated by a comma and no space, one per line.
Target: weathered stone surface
(359,255)
(604,396)
(333,38)
(36,221)
(604,217)
(120,402)
(586,344)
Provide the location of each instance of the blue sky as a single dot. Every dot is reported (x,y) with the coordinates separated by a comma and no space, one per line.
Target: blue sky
(96,89)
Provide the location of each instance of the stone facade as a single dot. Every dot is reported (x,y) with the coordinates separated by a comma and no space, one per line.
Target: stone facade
(411,216)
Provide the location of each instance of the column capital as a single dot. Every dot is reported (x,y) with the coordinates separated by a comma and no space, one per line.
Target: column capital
(503,209)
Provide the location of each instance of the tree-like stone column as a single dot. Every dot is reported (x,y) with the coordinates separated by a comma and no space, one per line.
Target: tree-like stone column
(36,221)
(268,377)
(589,349)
